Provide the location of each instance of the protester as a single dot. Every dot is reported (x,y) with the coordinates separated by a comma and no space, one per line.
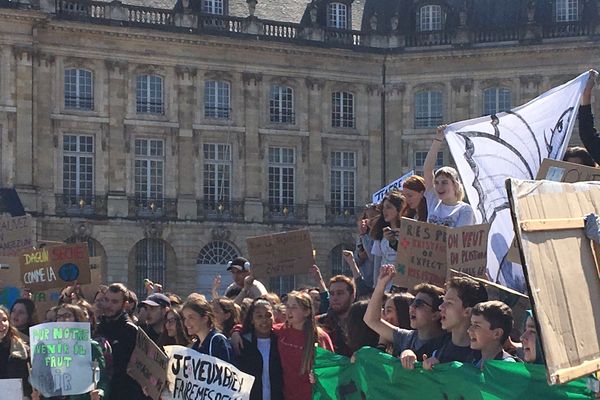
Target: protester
(131,306)
(396,309)
(240,270)
(531,346)
(579,155)
(342,293)
(116,326)
(358,333)
(424,319)
(462,294)
(415,207)
(444,191)
(99,302)
(227,314)
(51,314)
(321,287)
(363,290)
(280,313)
(14,353)
(385,230)
(199,320)
(315,295)
(587,132)
(157,305)
(174,332)
(22,317)
(491,323)
(364,244)
(260,356)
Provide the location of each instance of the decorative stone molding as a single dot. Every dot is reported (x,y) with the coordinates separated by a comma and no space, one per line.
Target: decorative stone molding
(218,76)
(396,89)
(82,231)
(23,53)
(220,233)
(462,83)
(374,89)
(152,229)
(47,59)
(491,83)
(185,72)
(119,66)
(249,78)
(314,83)
(527,80)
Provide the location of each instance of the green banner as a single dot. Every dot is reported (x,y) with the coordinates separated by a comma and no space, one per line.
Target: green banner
(376,375)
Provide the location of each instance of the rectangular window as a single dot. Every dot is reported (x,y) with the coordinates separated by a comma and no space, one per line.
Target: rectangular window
(567,10)
(338,16)
(149,172)
(281,177)
(217,173)
(281,104)
(428,109)
(78,89)
(216,99)
(78,168)
(342,110)
(282,284)
(149,94)
(212,7)
(430,18)
(496,100)
(343,173)
(420,161)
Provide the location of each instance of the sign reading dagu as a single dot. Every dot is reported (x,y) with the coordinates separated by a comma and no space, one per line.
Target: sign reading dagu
(193,375)
(148,365)
(61,358)
(55,267)
(562,171)
(16,235)
(427,251)
(286,253)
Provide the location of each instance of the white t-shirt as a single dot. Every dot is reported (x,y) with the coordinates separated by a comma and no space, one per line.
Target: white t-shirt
(382,249)
(454,216)
(264,346)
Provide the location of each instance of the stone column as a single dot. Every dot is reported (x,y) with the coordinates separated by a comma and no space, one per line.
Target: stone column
(186,206)
(317,156)
(118,144)
(253,208)
(396,155)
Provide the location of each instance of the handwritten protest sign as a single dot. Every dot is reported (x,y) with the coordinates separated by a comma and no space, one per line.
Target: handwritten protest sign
(562,171)
(90,289)
(148,365)
(10,280)
(285,253)
(427,251)
(16,235)
(11,388)
(55,267)
(192,375)
(397,184)
(61,358)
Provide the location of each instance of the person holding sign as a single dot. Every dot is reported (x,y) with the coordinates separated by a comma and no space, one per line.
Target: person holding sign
(22,316)
(386,240)
(444,191)
(199,320)
(14,353)
(415,206)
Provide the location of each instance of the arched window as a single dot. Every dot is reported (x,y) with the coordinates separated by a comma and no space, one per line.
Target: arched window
(337,16)
(217,252)
(150,262)
(338,265)
(567,10)
(430,18)
(428,109)
(496,100)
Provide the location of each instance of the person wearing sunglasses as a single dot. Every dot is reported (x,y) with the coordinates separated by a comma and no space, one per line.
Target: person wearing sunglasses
(426,332)
(174,332)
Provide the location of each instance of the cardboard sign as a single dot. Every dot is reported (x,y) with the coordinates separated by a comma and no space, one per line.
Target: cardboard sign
(16,235)
(561,271)
(562,171)
(192,375)
(61,358)
(10,280)
(90,289)
(397,184)
(286,253)
(427,251)
(148,365)
(55,267)
(11,388)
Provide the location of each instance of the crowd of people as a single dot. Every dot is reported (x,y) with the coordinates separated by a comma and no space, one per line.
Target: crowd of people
(273,336)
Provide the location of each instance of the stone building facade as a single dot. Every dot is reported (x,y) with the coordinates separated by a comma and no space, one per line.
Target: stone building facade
(167,132)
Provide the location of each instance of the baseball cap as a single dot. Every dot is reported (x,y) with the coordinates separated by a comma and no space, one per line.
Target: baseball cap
(238,263)
(157,299)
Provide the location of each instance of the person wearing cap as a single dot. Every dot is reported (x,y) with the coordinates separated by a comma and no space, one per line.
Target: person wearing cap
(243,282)
(157,306)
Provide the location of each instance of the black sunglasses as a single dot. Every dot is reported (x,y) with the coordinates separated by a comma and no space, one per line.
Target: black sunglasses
(418,303)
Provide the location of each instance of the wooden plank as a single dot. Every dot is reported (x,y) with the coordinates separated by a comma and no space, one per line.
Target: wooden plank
(568,374)
(556,224)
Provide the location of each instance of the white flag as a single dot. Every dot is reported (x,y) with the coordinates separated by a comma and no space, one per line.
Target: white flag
(512,144)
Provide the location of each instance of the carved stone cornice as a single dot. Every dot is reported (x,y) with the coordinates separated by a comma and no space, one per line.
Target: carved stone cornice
(462,83)
(249,78)
(374,89)
(490,83)
(23,53)
(45,58)
(314,83)
(527,80)
(152,229)
(218,76)
(396,89)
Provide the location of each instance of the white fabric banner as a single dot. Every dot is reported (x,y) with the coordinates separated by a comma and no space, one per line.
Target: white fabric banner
(512,144)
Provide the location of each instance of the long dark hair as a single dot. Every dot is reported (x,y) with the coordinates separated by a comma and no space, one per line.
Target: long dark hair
(415,183)
(248,326)
(12,333)
(181,336)
(397,199)
(31,316)
(358,333)
(228,306)
(402,302)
